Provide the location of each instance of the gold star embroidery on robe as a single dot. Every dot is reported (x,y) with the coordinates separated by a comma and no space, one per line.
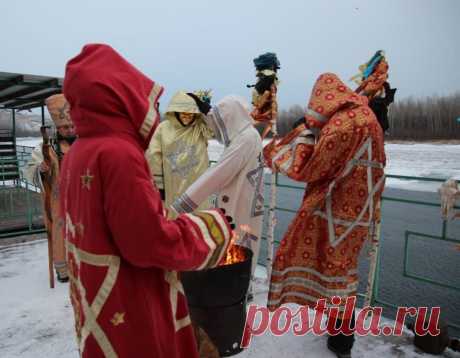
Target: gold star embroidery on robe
(86,179)
(118,318)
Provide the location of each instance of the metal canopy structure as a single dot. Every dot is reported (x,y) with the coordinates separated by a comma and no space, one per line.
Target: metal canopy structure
(21,91)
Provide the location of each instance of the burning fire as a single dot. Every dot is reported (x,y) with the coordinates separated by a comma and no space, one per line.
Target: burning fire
(234,253)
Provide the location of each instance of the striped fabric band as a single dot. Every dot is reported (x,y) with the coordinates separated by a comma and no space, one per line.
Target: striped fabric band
(318,116)
(184,204)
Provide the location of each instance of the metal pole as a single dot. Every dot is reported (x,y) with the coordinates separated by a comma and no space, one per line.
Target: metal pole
(273,181)
(43,115)
(374,264)
(13,117)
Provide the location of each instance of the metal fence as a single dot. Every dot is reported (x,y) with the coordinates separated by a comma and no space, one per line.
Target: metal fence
(20,204)
(20,201)
(408,236)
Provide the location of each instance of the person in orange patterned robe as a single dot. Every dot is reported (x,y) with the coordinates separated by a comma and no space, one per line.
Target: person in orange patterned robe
(343,166)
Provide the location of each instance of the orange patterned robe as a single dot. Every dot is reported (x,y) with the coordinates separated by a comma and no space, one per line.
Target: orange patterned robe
(344,173)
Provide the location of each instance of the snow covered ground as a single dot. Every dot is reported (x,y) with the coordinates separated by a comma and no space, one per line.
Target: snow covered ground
(38,322)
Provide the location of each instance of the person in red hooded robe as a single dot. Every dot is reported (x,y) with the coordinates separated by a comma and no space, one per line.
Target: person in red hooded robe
(122,251)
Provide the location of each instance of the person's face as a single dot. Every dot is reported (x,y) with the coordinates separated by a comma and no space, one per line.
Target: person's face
(186,118)
(66,130)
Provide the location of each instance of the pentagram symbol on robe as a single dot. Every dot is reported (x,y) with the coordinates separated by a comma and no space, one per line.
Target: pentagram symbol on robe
(255,178)
(183,158)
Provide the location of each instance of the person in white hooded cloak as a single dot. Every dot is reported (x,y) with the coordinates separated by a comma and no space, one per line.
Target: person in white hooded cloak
(237,177)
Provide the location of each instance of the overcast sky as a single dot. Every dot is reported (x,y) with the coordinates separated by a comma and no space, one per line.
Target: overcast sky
(211,43)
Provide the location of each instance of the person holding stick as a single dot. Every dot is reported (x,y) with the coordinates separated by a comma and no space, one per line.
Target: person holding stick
(43,171)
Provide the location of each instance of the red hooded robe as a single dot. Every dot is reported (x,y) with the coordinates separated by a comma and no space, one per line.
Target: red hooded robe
(122,251)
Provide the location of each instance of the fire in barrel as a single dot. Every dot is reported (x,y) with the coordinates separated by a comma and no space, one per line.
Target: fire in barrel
(217,299)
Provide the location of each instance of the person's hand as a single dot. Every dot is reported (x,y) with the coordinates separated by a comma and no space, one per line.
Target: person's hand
(298,122)
(44,168)
(202,106)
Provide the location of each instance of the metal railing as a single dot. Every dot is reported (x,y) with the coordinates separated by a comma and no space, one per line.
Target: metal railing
(27,190)
(408,235)
(20,201)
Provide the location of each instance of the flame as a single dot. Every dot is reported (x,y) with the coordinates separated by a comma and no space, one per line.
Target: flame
(234,254)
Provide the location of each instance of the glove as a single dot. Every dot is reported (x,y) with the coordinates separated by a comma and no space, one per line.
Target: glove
(298,122)
(264,84)
(380,106)
(202,106)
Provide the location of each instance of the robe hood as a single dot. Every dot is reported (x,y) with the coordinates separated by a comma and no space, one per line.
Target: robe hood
(329,95)
(228,118)
(110,97)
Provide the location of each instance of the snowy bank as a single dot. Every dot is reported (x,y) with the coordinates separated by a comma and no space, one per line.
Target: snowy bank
(38,322)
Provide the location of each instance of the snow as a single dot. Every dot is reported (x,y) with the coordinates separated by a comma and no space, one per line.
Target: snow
(28,141)
(411,159)
(38,321)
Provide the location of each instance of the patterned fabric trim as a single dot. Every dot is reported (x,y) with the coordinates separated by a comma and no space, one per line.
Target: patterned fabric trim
(92,311)
(221,126)
(184,204)
(315,273)
(305,137)
(152,116)
(366,147)
(214,232)
(311,284)
(305,297)
(319,117)
(175,287)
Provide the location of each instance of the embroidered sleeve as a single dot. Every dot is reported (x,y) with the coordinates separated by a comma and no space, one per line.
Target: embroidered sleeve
(292,153)
(210,227)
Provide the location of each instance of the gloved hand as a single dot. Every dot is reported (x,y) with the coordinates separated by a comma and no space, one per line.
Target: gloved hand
(264,84)
(298,122)
(380,106)
(202,106)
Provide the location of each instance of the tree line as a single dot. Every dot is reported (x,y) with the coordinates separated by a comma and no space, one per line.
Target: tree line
(430,118)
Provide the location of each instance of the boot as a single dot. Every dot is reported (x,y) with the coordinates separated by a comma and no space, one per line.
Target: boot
(341,344)
(61,273)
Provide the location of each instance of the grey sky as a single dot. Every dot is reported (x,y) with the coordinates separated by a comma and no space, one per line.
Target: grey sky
(211,44)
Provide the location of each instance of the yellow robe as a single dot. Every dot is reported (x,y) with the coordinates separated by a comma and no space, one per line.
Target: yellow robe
(178,155)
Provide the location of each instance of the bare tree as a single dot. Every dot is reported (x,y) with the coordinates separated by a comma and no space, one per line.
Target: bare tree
(425,119)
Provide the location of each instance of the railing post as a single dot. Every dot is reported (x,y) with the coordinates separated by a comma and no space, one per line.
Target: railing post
(444,229)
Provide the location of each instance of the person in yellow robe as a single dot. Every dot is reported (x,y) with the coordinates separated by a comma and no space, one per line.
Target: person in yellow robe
(178,152)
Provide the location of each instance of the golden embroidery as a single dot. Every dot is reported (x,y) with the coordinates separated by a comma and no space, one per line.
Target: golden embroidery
(91,311)
(175,288)
(118,318)
(86,179)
